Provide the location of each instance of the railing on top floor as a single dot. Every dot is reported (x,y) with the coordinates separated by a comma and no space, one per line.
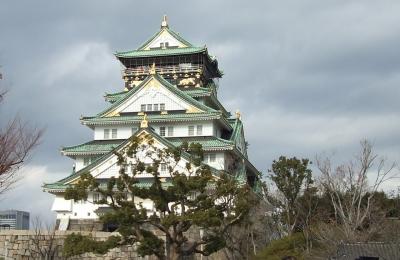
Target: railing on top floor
(181,68)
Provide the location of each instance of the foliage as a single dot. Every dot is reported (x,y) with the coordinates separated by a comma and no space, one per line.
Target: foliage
(345,204)
(293,245)
(76,244)
(290,175)
(352,195)
(193,197)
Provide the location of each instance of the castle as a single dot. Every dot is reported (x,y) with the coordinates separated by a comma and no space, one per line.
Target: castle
(170,93)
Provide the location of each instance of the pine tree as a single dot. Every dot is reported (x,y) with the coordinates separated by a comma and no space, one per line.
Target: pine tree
(197,197)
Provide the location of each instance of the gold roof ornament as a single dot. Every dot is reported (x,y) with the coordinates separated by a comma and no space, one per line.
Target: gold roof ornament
(238,114)
(164,22)
(153,69)
(144,123)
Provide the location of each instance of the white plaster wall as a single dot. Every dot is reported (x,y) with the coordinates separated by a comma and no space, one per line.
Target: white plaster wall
(123,132)
(164,37)
(180,129)
(79,163)
(219,163)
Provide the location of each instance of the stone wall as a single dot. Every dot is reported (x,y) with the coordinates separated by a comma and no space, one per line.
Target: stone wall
(23,244)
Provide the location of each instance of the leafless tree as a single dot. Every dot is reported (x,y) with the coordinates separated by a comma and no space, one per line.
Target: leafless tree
(43,243)
(17,141)
(352,186)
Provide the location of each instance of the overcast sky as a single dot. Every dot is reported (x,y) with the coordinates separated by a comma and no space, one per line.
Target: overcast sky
(308,76)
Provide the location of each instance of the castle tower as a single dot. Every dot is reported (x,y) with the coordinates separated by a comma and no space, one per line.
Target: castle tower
(170,93)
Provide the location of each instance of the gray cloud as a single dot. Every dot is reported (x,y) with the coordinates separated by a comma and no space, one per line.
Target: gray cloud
(308,76)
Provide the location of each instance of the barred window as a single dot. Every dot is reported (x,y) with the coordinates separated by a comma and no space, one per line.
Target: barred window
(212,157)
(106,133)
(96,197)
(191,130)
(143,108)
(155,107)
(162,130)
(199,130)
(162,106)
(114,133)
(86,161)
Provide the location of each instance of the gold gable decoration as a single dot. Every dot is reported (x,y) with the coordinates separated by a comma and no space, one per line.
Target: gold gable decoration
(112,113)
(193,109)
(144,123)
(152,70)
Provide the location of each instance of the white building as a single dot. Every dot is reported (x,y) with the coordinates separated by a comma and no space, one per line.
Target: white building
(175,84)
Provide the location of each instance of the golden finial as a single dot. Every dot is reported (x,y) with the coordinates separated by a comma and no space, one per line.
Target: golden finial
(153,69)
(164,22)
(144,123)
(238,115)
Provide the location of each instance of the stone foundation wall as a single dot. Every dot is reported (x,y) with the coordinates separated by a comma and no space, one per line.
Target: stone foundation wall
(24,244)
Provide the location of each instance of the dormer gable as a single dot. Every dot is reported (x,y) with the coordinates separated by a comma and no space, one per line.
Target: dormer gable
(164,39)
(155,95)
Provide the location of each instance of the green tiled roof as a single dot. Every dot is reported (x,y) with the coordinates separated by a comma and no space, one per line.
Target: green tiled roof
(143,183)
(92,147)
(237,126)
(114,96)
(198,92)
(155,118)
(160,52)
(209,143)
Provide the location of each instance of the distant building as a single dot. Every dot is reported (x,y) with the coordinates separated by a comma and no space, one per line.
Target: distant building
(368,251)
(14,219)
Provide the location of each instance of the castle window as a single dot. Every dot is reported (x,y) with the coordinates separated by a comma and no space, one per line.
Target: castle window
(191,130)
(170,131)
(86,161)
(199,130)
(143,107)
(149,107)
(155,107)
(163,168)
(161,45)
(114,133)
(162,130)
(162,106)
(209,158)
(106,133)
(96,197)
(212,157)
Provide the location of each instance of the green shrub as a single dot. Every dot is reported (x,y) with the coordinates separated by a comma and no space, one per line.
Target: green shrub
(293,245)
(76,244)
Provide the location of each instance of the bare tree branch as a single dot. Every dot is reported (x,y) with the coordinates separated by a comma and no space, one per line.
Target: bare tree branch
(17,141)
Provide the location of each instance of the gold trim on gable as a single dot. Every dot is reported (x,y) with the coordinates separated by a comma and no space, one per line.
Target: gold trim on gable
(193,109)
(112,113)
